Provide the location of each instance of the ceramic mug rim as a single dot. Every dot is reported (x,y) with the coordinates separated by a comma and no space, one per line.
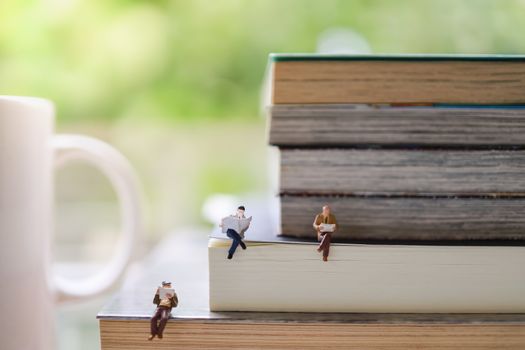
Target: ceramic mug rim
(38,101)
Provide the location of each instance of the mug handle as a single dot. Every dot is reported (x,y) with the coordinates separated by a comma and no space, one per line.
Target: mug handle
(115,166)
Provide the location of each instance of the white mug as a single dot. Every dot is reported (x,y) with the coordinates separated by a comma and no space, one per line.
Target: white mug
(28,153)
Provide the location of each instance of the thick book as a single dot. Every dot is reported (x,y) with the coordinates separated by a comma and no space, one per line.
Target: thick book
(401,218)
(402,171)
(376,79)
(387,126)
(306,331)
(274,276)
(124,320)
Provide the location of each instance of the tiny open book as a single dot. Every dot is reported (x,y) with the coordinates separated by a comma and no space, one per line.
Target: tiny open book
(327,227)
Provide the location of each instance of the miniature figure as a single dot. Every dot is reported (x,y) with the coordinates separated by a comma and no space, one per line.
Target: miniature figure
(235,226)
(165,299)
(325,224)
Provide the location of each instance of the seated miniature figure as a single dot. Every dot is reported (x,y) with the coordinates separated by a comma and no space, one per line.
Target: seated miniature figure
(165,299)
(235,226)
(325,224)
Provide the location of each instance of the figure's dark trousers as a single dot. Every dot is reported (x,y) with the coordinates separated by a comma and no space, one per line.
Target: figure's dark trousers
(326,239)
(237,239)
(159,320)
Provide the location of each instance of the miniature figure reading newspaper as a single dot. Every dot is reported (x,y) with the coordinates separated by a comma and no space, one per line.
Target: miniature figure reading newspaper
(325,224)
(165,299)
(234,226)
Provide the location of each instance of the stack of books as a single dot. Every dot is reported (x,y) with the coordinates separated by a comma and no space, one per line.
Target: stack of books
(124,320)
(423,148)
(421,160)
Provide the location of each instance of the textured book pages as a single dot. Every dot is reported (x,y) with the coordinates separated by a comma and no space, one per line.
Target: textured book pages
(373,79)
(402,171)
(252,333)
(405,194)
(409,218)
(367,278)
(349,125)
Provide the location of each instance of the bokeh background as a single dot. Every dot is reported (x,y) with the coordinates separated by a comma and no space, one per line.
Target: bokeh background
(176,86)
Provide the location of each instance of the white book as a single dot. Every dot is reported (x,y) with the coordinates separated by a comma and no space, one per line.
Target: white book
(235,223)
(291,277)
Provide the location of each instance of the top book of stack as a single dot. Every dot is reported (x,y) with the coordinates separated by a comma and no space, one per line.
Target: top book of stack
(397,79)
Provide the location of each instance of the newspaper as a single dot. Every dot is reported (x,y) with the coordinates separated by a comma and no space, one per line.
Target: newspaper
(164,291)
(327,227)
(235,223)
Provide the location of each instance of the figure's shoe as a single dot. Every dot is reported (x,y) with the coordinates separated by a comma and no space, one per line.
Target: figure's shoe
(151,337)
(325,258)
(230,255)
(243,245)
(159,335)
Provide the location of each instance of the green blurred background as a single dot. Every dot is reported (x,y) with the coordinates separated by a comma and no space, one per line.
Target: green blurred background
(188,61)
(176,86)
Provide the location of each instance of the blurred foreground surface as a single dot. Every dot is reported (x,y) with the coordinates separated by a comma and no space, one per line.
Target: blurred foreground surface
(179,166)
(186,246)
